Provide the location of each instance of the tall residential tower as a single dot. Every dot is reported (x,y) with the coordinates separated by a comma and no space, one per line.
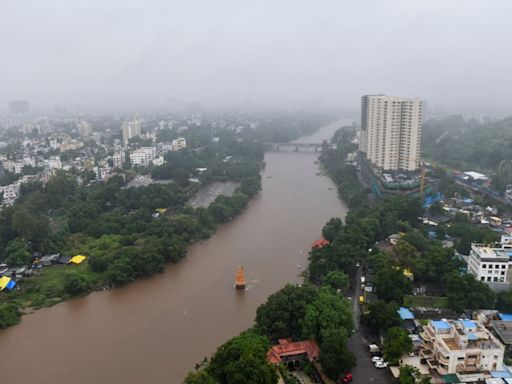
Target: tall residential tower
(390,134)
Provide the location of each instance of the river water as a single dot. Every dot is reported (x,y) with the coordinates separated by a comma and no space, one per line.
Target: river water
(156,329)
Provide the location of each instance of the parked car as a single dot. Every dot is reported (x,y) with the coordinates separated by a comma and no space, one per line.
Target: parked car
(376,359)
(347,377)
(381,364)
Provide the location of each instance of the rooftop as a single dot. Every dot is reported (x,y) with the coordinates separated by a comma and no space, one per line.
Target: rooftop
(503,329)
(405,313)
(441,324)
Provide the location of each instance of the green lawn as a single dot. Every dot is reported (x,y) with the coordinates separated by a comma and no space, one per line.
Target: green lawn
(426,301)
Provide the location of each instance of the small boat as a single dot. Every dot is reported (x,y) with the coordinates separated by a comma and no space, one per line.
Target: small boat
(240,278)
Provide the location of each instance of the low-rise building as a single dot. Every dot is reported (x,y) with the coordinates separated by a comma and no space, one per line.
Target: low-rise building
(140,158)
(179,143)
(118,159)
(491,263)
(462,347)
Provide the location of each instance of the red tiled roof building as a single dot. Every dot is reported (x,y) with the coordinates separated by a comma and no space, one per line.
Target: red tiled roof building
(320,243)
(289,351)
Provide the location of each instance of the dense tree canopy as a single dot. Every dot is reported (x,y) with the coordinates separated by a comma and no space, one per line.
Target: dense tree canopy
(242,360)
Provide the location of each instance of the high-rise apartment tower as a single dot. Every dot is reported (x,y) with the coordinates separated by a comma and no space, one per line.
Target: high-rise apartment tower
(390,135)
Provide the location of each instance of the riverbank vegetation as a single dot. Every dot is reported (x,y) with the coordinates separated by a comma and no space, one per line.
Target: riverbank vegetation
(115,226)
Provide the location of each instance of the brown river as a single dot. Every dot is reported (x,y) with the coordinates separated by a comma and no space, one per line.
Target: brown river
(156,329)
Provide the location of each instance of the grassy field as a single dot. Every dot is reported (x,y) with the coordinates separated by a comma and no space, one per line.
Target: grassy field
(426,301)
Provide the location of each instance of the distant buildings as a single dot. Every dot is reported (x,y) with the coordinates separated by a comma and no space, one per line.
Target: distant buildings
(84,128)
(19,114)
(390,134)
(139,157)
(19,107)
(118,159)
(131,129)
(179,143)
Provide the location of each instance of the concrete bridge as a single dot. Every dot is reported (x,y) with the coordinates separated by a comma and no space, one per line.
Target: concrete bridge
(294,147)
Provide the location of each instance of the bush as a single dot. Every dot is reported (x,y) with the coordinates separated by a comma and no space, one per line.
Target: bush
(9,315)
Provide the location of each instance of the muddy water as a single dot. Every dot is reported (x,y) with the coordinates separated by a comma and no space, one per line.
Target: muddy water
(155,330)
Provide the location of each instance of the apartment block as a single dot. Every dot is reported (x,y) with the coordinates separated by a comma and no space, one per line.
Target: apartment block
(462,347)
(131,129)
(390,133)
(490,263)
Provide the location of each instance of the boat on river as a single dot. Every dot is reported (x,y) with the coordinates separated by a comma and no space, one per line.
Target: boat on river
(240,278)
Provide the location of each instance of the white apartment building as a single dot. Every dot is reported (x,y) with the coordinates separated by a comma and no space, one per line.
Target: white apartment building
(390,134)
(54,162)
(179,143)
(491,262)
(118,159)
(84,128)
(139,158)
(131,129)
(462,347)
(151,151)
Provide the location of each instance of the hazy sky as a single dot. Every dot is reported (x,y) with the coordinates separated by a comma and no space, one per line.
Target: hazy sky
(110,53)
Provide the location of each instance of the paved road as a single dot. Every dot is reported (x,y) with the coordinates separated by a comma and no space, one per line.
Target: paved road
(365,371)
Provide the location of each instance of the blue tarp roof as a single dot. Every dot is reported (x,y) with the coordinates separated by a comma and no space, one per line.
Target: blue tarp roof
(505,316)
(468,324)
(501,374)
(405,313)
(11,284)
(440,324)
(472,336)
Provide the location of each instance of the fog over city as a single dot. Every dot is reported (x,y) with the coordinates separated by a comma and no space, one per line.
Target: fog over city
(228,53)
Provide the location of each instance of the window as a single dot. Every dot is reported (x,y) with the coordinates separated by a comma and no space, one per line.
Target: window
(495,279)
(490,266)
(484,266)
(503,266)
(502,273)
(488,278)
(482,278)
(497,266)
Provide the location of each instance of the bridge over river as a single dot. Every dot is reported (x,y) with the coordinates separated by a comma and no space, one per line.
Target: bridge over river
(294,147)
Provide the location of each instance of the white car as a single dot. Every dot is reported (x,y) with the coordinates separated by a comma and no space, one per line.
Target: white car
(376,359)
(381,364)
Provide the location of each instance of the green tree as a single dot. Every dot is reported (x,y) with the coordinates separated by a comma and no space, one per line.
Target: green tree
(392,284)
(17,252)
(396,343)
(381,316)
(199,377)
(75,282)
(332,228)
(328,311)
(9,315)
(334,355)
(242,360)
(504,303)
(337,280)
(465,292)
(411,375)
(280,316)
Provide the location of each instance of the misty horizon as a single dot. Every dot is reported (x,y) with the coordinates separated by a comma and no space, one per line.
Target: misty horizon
(224,54)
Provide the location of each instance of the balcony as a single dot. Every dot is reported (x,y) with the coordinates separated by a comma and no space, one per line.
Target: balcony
(443,360)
